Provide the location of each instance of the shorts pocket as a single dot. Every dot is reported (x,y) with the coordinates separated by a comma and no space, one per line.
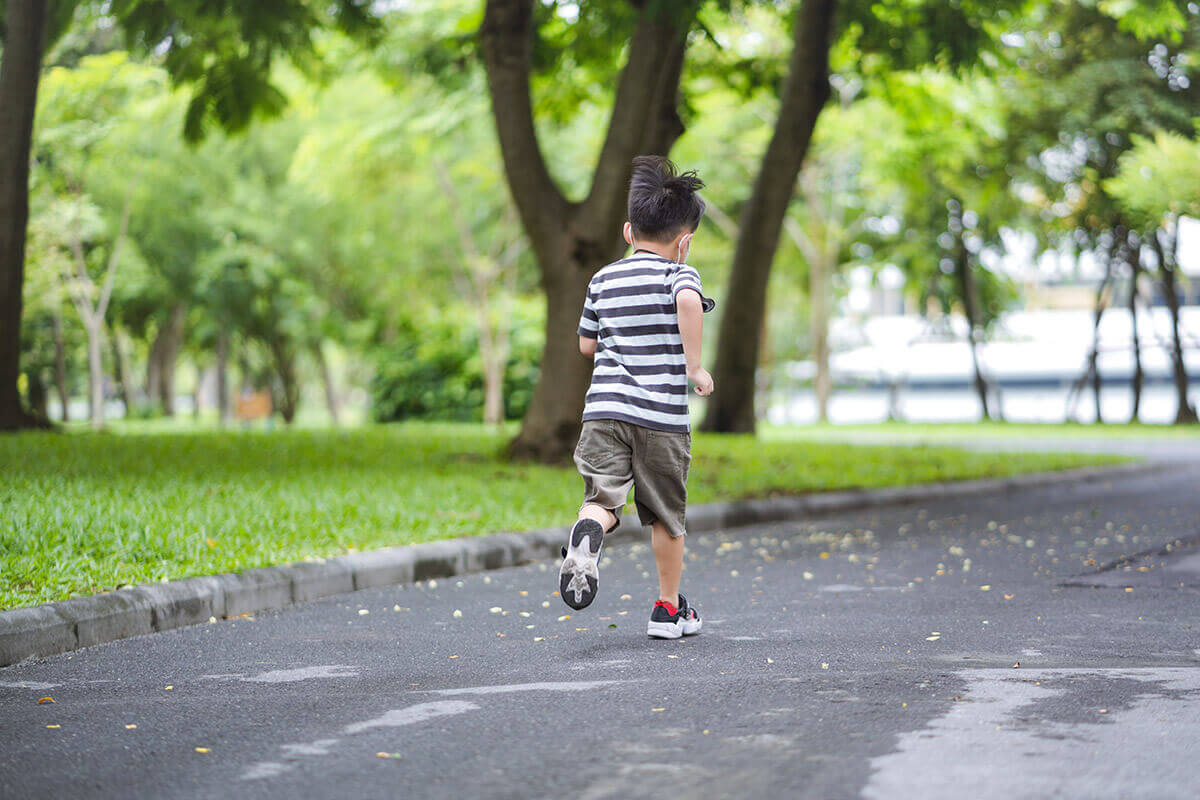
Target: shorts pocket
(595,442)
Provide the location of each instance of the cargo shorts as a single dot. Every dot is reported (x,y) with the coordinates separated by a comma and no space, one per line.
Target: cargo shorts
(614,456)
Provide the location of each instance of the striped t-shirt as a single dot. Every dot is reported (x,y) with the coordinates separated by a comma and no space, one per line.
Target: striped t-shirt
(640,373)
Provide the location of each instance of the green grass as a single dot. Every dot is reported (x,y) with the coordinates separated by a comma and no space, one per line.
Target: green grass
(977,431)
(82,513)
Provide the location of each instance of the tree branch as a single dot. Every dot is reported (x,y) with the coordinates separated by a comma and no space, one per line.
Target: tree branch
(644,117)
(506,37)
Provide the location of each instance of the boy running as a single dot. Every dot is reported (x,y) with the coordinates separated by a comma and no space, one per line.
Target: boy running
(641,323)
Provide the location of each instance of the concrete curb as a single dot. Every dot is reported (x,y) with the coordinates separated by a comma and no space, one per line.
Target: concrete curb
(85,621)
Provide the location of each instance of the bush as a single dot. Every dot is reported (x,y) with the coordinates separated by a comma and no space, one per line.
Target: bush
(431,368)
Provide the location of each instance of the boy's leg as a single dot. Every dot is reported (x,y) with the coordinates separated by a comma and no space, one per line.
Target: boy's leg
(606,518)
(668,555)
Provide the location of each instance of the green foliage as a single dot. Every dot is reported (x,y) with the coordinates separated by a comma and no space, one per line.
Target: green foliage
(429,367)
(1157,179)
(85,513)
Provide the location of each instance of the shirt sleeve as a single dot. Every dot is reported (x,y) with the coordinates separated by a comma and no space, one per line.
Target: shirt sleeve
(685,278)
(589,324)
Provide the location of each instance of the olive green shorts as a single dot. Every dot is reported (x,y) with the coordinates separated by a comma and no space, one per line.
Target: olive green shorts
(614,456)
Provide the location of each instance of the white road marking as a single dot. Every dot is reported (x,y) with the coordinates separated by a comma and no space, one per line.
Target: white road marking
(28,685)
(549,686)
(399,717)
(264,769)
(304,674)
(318,748)
(994,745)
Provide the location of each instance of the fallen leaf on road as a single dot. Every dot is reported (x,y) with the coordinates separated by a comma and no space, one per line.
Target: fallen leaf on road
(168,688)
(454,656)
(545,604)
(54,727)
(824,555)
(523,593)
(457,613)
(362,612)
(564,617)
(495,609)
(1129,588)
(1009,596)
(824,665)
(581,629)
(130,727)
(202,750)
(658,709)
(770,661)
(45,700)
(626,597)
(932,638)
(985,588)
(808,576)
(1104,711)
(539,638)
(525,614)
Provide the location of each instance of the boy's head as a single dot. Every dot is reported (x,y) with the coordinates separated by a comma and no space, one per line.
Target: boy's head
(663,204)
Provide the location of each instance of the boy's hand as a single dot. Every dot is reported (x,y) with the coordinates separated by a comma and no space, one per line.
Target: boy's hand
(703,381)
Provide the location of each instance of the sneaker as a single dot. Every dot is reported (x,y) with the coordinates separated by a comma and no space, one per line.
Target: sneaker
(669,622)
(579,577)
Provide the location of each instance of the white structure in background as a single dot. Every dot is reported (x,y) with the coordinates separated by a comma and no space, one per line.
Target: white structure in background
(903,366)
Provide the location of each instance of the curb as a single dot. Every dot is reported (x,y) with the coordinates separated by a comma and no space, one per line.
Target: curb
(85,621)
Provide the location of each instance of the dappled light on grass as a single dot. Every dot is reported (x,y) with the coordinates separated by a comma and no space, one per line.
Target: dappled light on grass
(85,513)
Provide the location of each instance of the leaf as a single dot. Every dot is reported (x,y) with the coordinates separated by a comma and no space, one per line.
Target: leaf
(130,726)
(45,700)
(54,727)
(564,618)
(495,609)
(203,750)
(658,709)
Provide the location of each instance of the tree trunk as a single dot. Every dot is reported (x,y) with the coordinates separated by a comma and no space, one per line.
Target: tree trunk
(572,240)
(967,288)
(285,368)
(1185,414)
(172,338)
(224,411)
(95,344)
(1134,259)
(124,374)
(331,398)
(20,68)
(493,367)
(731,406)
(60,368)
(818,290)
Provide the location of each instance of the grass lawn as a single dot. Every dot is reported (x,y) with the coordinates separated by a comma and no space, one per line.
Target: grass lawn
(977,431)
(82,513)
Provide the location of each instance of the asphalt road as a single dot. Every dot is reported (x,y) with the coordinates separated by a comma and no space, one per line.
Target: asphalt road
(977,648)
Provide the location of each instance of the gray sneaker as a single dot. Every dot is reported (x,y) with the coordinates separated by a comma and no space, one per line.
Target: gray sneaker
(579,577)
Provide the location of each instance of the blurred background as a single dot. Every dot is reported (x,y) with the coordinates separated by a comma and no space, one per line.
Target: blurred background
(300,214)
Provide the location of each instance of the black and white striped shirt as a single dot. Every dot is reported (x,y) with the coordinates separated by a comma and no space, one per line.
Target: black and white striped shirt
(640,373)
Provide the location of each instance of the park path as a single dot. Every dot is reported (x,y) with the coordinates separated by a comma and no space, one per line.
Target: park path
(965,648)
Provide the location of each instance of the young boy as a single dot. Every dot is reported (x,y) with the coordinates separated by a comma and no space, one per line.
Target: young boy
(641,324)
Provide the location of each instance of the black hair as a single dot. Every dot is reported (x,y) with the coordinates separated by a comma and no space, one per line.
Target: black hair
(661,201)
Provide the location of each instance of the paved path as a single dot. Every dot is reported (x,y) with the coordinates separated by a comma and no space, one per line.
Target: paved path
(872,655)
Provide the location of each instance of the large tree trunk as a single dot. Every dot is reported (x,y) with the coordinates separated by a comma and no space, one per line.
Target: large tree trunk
(731,406)
(60,368)
(20,67)
(572,240)
(172,338)
(1185,413)
(1134,259)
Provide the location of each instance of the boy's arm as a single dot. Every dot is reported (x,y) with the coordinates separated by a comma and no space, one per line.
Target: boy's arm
(691,328)
(587,346)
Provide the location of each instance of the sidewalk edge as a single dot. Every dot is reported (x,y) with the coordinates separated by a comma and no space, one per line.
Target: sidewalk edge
(85,621)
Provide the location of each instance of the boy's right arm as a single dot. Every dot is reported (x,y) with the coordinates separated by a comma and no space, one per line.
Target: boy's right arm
(691,329)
